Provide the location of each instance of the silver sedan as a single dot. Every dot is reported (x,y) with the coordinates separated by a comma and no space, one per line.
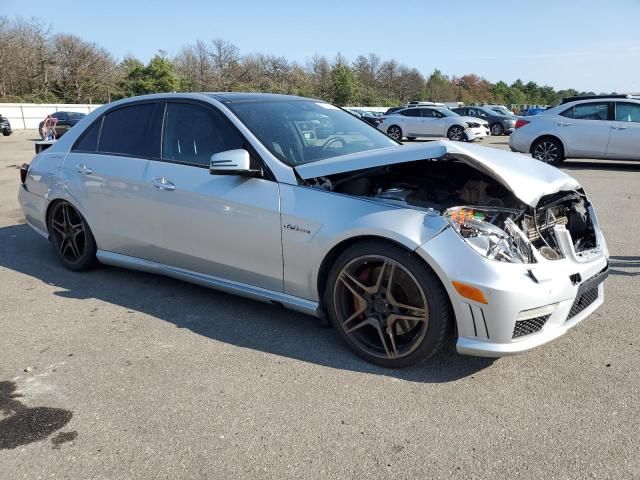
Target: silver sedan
(293,201)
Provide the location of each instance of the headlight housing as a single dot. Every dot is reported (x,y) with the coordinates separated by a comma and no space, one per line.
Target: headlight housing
(491,232)
(472,124)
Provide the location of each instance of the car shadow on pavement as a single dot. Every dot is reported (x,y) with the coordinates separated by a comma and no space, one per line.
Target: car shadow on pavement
(224,317)
(611,165)
(624,266)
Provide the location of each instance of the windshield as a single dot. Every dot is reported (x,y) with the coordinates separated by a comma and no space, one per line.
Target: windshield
(303,131)
(503,111)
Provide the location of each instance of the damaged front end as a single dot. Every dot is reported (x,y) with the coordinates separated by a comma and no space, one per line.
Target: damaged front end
(487,212)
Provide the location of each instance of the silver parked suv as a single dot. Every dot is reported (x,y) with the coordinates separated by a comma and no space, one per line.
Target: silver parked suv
(582,127)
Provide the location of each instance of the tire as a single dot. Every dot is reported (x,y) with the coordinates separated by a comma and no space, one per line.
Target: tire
(71,237)
(6,134)
(456,134)
(496,129)
(411,139)
(417,306)
(548,150)
(395,132)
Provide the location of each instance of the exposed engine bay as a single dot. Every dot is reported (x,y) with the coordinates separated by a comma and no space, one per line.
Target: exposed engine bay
(484,212)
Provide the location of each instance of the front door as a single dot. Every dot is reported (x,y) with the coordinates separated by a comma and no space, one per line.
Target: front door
(625,132)
(226,226)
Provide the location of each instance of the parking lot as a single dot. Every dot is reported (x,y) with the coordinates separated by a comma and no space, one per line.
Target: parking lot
(118,374)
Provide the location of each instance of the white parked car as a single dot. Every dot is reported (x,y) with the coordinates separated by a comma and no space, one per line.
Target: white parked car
(433,122)
(589,127)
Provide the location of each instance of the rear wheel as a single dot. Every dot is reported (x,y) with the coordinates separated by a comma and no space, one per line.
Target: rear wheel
(71,237)
(548,150)
(395,132)
(387,305)
(411,139)
(456,134)
(496,129)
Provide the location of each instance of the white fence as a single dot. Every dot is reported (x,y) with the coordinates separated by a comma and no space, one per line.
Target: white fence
(29,115)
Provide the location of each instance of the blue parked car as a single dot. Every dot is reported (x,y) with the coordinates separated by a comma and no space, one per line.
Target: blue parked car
(527,112)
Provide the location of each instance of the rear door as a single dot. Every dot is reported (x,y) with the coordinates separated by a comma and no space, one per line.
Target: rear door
(226,226)
(411,126)
(106,173)
(585,129)
(624,141)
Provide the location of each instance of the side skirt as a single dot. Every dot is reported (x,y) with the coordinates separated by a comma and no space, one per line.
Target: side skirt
(242,289)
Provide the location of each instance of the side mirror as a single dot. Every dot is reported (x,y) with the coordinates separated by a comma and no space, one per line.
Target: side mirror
(232,162)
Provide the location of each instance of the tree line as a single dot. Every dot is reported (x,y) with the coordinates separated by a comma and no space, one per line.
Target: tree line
(40,66)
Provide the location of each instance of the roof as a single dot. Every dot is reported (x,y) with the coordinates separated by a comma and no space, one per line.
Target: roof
(237,97)
(598,97)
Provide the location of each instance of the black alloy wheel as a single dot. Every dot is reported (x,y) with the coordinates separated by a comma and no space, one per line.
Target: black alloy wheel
(387,305)
(71,237)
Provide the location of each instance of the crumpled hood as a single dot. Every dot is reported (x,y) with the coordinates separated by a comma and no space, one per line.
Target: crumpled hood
(527,178)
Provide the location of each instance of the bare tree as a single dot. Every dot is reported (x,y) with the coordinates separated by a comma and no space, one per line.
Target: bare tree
(80,68)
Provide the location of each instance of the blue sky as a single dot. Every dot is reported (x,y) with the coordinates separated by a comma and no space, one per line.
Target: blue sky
(588,45)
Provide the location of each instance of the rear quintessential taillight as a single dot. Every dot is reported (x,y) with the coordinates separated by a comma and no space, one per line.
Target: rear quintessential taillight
(24,169)
(521,123)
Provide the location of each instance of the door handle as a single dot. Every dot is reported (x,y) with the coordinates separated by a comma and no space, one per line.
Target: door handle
(82,169)
(162,183)
(618,128)
(564,124)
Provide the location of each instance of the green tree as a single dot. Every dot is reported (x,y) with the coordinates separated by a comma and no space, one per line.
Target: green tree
(344,85)
(158,76)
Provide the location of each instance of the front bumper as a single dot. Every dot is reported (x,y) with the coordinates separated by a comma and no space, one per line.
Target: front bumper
(550,288)
(477,133)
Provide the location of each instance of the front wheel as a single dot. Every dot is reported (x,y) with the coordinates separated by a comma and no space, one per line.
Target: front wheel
(395,132)
(456,134)
(387,305)
(72,237)
(6,134)
(548,150)
(497,129)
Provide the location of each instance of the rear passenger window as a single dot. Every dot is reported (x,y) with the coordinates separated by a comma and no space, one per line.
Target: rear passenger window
(591,111)
(568,113)
(192,133)
(88,142)
(133,130)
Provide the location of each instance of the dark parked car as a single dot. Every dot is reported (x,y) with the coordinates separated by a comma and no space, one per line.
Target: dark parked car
(498,124)
(63,121)
(394,109)
(5,126)
(368,117)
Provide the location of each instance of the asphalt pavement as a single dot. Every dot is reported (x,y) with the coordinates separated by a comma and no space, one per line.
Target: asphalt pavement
(114,374)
